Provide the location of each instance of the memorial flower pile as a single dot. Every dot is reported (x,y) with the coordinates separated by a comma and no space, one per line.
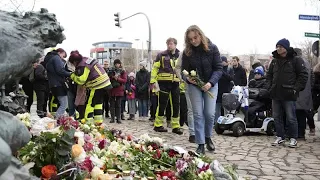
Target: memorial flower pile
(74,150)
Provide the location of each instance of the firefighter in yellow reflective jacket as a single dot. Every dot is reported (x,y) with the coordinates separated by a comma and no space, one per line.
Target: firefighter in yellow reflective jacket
(90,74)
(163,73)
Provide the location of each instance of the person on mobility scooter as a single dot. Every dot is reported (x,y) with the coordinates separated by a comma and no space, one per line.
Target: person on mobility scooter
(253,102)
(259,100)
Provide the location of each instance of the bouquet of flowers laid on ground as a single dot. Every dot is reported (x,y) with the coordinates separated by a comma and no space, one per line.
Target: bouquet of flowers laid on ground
(194,76)
(25,118)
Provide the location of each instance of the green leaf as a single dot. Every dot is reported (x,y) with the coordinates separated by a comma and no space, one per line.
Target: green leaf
(48,158)
(63,152)
(71,132)
(136,168)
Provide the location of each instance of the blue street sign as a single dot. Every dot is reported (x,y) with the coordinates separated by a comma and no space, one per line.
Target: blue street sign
(308,17)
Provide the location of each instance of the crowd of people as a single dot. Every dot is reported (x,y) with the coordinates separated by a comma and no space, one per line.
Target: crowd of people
(89,91)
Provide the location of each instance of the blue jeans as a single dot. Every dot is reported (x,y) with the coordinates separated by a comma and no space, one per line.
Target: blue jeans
(287,109)
(203,107)
(190,113)
(71,106)
(63,104)
(143,107)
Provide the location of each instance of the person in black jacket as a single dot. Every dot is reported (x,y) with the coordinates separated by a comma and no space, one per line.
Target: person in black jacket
(142,91)
(315,96)
(239,73)
(259,82)
(202,56)
(57,75)
(287,76)
(41,87)
(225,86)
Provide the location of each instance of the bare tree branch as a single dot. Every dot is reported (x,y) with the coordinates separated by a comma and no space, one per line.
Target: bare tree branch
(17,8)
(307,54)
(34,4)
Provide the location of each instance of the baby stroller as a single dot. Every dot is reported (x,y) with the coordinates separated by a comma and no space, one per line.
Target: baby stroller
(238,99)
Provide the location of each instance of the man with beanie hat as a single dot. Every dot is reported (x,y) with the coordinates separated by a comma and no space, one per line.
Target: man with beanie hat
(259,82)
(255,64)
(286,77)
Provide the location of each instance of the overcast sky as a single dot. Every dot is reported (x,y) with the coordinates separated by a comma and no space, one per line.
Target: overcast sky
(235,26)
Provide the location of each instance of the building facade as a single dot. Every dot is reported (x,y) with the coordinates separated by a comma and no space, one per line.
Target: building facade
(109,50)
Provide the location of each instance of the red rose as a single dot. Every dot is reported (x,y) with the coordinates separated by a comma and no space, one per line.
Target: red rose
(88,147)
(129,138)
(172,153)
(154,146)
(168,173)
(204,168)
(87,164)
(102,144)
(48,171)
(157,155)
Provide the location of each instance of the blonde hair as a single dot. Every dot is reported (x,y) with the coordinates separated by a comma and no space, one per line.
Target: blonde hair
(204,39)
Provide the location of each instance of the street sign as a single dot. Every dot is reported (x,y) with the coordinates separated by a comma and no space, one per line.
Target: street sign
(315,48)
(314,35)
(308,17)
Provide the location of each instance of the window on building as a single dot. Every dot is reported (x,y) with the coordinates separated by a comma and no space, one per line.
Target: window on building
(105,55)
(100,61)
(99,54)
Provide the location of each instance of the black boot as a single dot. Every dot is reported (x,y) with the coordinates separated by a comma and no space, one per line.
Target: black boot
(192,139)
(160,129)
(131,117)
(41,114)
(107,115)
(210,145)
(112,114)
(200,149)
(177,131)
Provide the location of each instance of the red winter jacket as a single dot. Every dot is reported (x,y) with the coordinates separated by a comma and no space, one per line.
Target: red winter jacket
(119,91)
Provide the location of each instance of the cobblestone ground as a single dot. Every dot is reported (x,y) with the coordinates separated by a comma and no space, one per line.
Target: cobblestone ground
(252,153)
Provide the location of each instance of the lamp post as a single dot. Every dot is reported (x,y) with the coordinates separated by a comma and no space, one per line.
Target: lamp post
(118,23)
(137,55)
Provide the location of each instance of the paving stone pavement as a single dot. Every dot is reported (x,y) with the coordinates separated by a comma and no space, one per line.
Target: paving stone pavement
(252,153)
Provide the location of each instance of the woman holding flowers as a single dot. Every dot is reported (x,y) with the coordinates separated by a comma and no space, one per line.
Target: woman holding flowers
(202,70)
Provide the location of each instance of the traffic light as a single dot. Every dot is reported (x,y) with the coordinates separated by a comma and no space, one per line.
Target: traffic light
(315,48)
(117,19)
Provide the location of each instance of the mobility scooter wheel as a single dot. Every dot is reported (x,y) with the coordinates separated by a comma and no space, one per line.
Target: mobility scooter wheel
(218,129)
(271,128)
(238,129)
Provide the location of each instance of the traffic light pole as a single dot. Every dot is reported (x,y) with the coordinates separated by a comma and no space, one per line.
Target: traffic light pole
(149,41)
(319,38)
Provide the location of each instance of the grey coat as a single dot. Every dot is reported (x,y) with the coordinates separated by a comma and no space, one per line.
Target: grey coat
(304,101)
